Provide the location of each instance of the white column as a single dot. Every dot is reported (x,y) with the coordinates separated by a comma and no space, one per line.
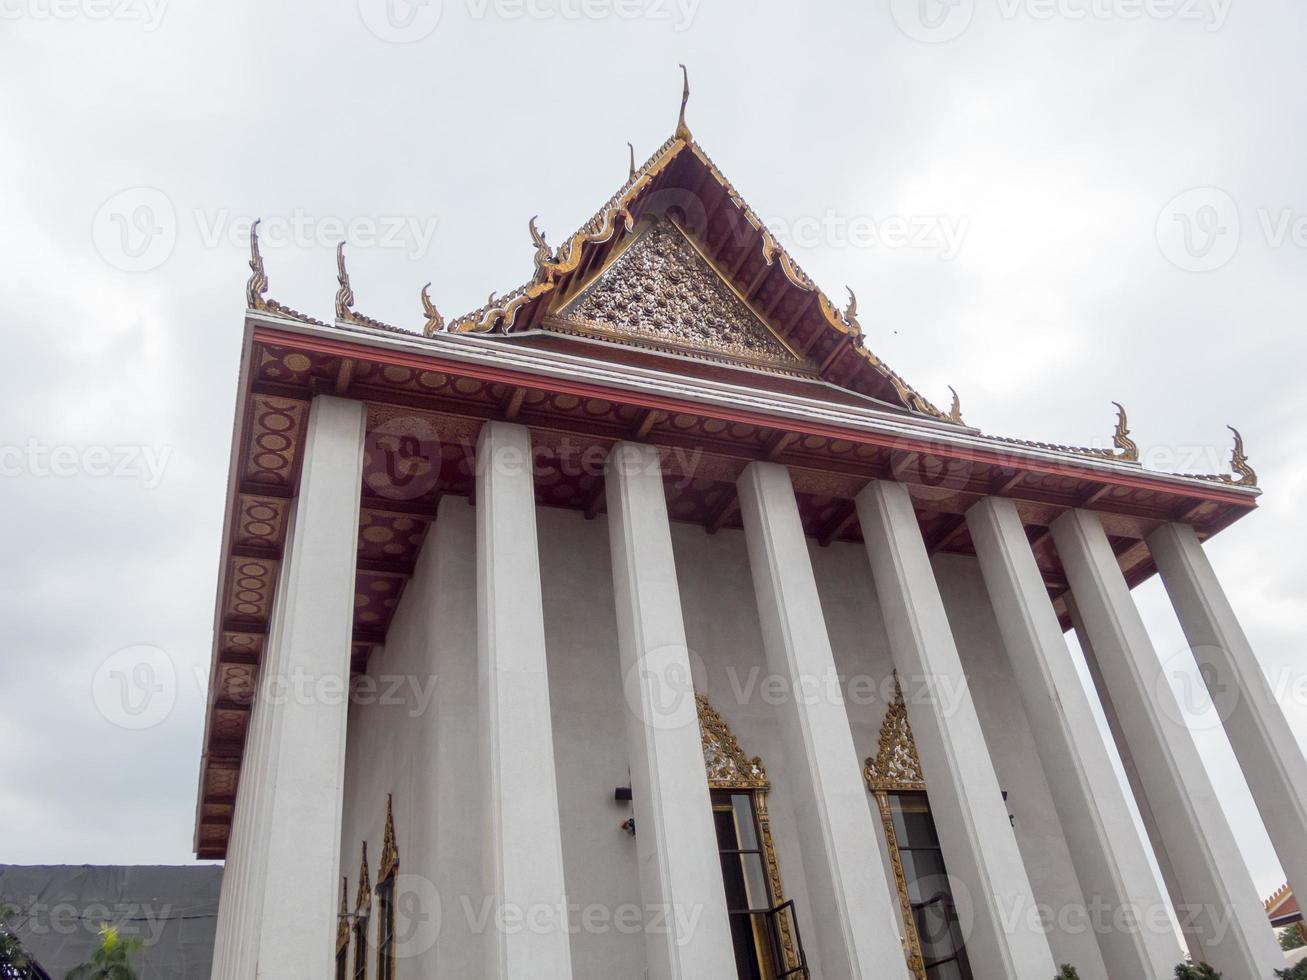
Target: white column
(1216,891)
(1262,740)
(1109,856)
(854,904)
(299,812)
(676,845)
(523,849)
(980,848)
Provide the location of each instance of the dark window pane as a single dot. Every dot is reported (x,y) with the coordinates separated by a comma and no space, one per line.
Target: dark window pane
(745,828)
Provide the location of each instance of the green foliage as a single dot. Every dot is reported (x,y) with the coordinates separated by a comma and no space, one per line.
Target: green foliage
(1068,972)
(1187,971)
(1298,972)
(1291,938)
(110,961)
(14,961)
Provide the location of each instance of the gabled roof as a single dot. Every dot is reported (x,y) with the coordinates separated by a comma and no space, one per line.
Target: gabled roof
(680,182)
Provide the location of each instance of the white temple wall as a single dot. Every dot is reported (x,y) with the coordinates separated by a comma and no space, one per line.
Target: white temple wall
(425,753)
(428,759)
(1016,760)
(590,758)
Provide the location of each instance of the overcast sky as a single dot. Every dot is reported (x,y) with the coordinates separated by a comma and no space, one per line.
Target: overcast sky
(1036,152)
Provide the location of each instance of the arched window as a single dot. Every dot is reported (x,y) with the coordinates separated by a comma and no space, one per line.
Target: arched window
(933,941)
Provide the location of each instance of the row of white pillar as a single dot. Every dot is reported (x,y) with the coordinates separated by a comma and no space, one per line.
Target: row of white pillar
(279,895)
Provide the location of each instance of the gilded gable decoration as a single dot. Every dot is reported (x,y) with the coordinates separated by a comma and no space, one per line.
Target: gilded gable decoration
(256,288)
(389,852)
(435,322)
(1126,447)
(1247,476)
(543,254)
(727,765)
(661,292)
(363,900)
(955,410)
(344,294)
(896,766)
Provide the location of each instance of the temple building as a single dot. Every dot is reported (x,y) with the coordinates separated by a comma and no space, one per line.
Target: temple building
(645,623)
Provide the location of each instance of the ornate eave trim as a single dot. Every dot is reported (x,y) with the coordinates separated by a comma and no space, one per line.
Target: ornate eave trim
(726,764)
(389,852)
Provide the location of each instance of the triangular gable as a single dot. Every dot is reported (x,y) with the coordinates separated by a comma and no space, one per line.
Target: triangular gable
(661,292)
(737,243)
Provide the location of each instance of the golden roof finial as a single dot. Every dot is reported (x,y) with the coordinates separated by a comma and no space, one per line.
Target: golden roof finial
(1239,463)
(543,254)
(1126,447)
(258,282)
(955,412)
(435,322)
(631,147)
(682,130)
(344,295)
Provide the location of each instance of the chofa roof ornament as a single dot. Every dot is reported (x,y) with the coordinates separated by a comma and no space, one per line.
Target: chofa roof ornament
(1126,447)
(1246,475)
(682,130)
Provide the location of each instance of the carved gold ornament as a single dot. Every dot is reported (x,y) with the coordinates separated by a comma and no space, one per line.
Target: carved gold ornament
(435,322)
(1247,476)
(344,294)
(955,410)
(389,852)
(257,286)
(725,762)
(363,899)
(631,147)
(896,767)
(543,255)
(1126,447)
(663,292)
